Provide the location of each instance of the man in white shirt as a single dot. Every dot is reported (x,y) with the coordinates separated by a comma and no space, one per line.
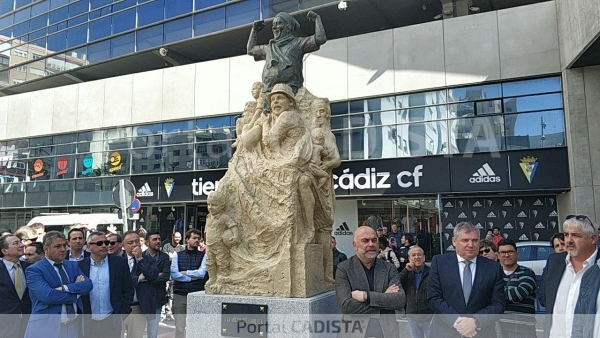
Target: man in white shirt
(563,274)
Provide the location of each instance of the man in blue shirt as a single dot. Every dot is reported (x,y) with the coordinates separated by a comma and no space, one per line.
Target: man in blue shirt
(188,269)
(109,302)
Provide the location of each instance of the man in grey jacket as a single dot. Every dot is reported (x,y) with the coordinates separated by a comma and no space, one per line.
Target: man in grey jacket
(368,290)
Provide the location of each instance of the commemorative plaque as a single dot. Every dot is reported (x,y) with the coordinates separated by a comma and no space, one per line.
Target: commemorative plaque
(244,320)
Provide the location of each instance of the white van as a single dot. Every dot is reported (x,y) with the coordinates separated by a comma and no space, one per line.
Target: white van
(100,222)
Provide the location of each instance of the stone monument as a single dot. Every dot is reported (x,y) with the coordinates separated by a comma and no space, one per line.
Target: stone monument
(269,227)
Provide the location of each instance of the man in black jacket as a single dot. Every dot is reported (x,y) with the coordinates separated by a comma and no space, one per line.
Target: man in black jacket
(338,256)
(414,282)
(160,284)
(15,306)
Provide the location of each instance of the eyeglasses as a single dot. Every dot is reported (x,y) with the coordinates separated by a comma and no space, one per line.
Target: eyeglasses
(99,243)
(481,252)
(510,253)
(112,243)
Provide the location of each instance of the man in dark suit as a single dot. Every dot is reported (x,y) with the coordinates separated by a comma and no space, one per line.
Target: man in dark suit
(55,286)
(465,292)
(563,274)
(144,271)
(15,306)
(109,302)
(76,241)
(368,290)
(414,278)
(160,284)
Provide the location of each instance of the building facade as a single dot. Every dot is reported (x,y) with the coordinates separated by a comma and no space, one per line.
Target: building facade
(487,117)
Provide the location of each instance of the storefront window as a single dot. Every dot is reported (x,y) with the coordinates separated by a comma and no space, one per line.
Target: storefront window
(479,134)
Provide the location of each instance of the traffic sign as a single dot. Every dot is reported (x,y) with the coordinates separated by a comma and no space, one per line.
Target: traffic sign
(123,194)
(135,205)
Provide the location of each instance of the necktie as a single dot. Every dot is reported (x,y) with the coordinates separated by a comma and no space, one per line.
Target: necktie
(467,281)
(65,280)
(18,280)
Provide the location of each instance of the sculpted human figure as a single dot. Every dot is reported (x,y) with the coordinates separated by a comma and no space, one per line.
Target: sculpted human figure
(285,52)
(222,233)
(251,113)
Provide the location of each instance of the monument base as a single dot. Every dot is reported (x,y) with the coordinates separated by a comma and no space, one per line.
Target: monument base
(317,316)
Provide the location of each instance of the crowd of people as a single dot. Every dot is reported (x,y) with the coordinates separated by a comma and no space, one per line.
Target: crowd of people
(102,285)
(478,291)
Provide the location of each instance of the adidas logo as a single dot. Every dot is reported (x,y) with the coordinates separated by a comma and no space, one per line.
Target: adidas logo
(523,238)
(485,174)
(508,226)
(477,204)
(449,226)
(540,226)
(462,215)
(553,214)
(343,230)
(171,217)
(507,204)
(448,205)
(450,248)
(491,215)
(145,191)
(538,202)
(522,214)
(479,226)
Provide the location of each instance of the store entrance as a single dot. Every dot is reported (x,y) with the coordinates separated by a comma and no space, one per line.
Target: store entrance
(418,217)
(164,219)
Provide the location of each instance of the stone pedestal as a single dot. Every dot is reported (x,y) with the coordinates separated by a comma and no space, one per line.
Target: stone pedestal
(317,316)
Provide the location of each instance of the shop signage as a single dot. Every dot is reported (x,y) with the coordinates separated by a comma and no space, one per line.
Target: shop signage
(539,169)
(115,162)
(396,176)
(88,162)
(62,164)
(38,169)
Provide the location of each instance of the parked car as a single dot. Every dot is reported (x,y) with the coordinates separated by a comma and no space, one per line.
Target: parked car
(534,255)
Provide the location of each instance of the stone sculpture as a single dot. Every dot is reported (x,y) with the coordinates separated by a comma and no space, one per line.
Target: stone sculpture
(270,222)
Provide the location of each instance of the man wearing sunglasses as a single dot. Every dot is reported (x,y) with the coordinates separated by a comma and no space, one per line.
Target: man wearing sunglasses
(109,302)
(563,280)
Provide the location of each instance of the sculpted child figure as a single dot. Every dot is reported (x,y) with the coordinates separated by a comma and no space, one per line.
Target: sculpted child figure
(222,233)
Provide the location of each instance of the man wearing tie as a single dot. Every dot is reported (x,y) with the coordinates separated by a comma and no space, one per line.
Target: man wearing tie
(109,302)
(55,285)
(465,292)
(143,272)
(15,306)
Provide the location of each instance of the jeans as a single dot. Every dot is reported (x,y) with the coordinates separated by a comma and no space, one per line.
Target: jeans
(152,325)
(419,329)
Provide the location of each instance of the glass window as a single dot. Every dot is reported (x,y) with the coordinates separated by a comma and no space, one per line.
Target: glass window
(77,36)
(57,42)
(21,3)
(535,86)
(37,23)
(421,99)
(342,138)
(37,194)
(524,253)
(474,93)
(23,14)
(58,15)
(213,155)
(99,3)
(479,134)
(145,160)
(41,141)
(7,20)
(88,192)
(77,20)
(119,5)
(339,122)
(6,6)
(20,29)
(64,149)
(61,193)
(123,21)
(535,130)
(79,7)
(208,3)
(542,252)
(123,44)
(179,157)
(99,51)
(63,139)
(100,28)
(421,139)
(209,22)
(151,12)
(56,3)
(123,143)
(215,122)
(242,13)
(420,114)
(339,108)
(39,8)
(469,109)
(149,37)
(531,103)
(179,7)
(178,30)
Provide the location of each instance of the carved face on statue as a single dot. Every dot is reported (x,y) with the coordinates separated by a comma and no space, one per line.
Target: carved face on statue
(321,110)
(280,28)
(280,103)
(257,87)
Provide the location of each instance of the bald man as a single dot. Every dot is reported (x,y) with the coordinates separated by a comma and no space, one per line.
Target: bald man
(368,290)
